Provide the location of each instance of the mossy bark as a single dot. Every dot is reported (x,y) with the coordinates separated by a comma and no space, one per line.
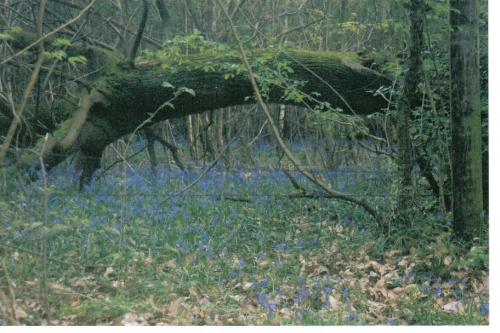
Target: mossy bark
(132,95)
(468,220)
(409,101)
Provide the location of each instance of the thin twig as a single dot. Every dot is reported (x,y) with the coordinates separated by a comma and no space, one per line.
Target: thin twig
(44,37)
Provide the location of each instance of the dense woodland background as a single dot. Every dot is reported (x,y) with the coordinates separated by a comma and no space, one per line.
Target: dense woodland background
(244,162)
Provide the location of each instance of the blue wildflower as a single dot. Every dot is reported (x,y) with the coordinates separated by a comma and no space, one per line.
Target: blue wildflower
(262,284)
(392,322)
(485,309)
(242,263)
(345,293)
(281,247)
(352,317)
(301,296)
(263,301)
(327,291)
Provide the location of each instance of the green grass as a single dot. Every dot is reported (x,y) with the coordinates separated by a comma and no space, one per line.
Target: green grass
(120,253)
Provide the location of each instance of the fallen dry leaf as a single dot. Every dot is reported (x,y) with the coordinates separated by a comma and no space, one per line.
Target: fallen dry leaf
(237,298)
(403,263)
(264,264)
(247,285)
(455,307)
(82,282)
(285,312)
(320,270)
(60,287)
(109,271)
(20,313)
(447,261)
(334,303)
(172,264)
(117,284)
(375,305)
(133,319)
(173,307)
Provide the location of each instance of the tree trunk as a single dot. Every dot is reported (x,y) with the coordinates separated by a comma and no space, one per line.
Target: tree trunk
(409,101)
(468,221)
(129,96)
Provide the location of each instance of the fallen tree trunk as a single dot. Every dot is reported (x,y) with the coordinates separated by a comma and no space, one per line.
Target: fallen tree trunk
(126,98)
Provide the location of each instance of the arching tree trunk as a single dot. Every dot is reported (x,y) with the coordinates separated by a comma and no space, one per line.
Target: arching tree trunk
(129,96)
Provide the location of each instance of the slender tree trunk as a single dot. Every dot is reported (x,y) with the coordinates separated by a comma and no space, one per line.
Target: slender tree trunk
(410,100)
(150,139)
(466,119)
(190,136)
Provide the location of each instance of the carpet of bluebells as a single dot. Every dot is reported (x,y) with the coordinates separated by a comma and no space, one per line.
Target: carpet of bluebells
(133,249)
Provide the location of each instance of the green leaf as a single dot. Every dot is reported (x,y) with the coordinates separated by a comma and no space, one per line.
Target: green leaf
(166,84)
(56,55)
(62,42)
(6,37)
(17,29)
(77,60)
(35,225)
(186,90)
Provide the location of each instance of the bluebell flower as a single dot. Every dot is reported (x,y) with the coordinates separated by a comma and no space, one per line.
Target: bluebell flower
(301,280)
(263,301)
(438,292)
(262,284)
(301,296)
(352,317)
(345,293)
(485,309)
(281,246)
(392,322)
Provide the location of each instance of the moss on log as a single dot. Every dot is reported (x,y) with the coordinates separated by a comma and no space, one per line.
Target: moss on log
(132,95)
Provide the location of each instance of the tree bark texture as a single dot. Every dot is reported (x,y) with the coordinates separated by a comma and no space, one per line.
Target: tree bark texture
(410,100)
(466,119)
(125,98)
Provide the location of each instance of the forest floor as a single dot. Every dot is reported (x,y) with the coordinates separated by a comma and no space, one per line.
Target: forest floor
(231,250)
